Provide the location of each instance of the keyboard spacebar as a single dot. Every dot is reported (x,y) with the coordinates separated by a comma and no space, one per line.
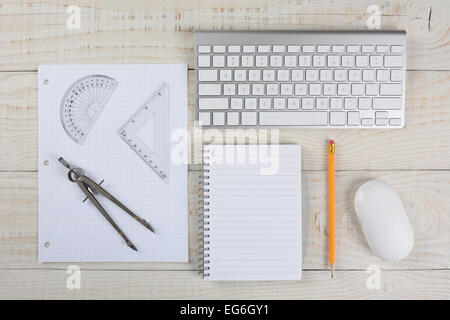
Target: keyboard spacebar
(298,118)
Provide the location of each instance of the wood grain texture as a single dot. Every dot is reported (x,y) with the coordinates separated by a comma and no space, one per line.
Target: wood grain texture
(425,195)
(134,284)
(35,32)
(421,145)
(414,160)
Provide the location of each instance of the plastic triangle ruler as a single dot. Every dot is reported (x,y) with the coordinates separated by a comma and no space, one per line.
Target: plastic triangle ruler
(147,132)
(82,104)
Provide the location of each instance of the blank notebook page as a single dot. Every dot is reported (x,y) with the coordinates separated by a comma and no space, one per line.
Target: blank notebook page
(253,212)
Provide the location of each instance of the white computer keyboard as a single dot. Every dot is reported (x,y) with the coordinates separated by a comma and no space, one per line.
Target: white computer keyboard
(346,79)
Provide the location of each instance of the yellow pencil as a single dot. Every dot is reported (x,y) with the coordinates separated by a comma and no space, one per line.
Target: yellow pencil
(331,204)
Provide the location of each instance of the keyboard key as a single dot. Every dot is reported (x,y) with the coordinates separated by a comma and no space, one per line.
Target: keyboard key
(354,75)
(234,49)
(225,75)
(395,121)
(276,61)
(340,75)
(350,104)
(362,61)
(309,48)
(333,61)
(258,89)
(219,49)
(247,61)
(265,103)
(367,122)
(236,103)
(393,61)
(268,75)
(250,103)
(338,49)
(290,61)
(218,118)
(233,118)
(382,49)
(286,89)
(218,61)
(329,89)
(364,103)
(323,48)
(293,103)
(207,75)
(396,75)
(357,89)
(326,75)
(367,49)
(229,89)
(283,75)
(369,75)
(213,103)
(254,75)
(382,75)
(204,61)
(304,118)
(243,89)
(343,89)
(348,61)
(315,89)
(240,75)
(319,61)
(387,103)
(353,49)
(248,118)
(371,89)
(300,89)
(248,49)
(294,49)
(381,114)
(203,49)
(338,118)
(397,49)
(272,89)
(304,61)
(232,61)
(336,103)
(209,90)
(264,49)
(376,61)
(322,103)
(297,75)
(353,118)
(381,122)
(261,61)
(204,118)
(307,103)
(279,103)
(391,89)
(279,48)
(312,75)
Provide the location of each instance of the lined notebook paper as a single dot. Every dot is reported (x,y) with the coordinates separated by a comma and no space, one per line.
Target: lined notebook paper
(252,212)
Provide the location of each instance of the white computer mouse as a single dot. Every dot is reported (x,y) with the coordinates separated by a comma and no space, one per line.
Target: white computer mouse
(384,221)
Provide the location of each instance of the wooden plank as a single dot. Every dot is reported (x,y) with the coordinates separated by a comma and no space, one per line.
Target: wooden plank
(422,144)
(51,284)
(425,195)
(139,32)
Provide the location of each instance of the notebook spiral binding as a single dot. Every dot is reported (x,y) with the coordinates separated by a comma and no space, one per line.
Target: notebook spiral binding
(203,218)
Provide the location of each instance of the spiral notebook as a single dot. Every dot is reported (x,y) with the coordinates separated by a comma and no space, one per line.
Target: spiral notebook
(252,212)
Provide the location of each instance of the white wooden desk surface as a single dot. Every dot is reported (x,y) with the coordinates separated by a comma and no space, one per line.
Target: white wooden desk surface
(415,160)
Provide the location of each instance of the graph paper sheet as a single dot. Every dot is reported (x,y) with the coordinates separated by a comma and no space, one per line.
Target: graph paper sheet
(72,231)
